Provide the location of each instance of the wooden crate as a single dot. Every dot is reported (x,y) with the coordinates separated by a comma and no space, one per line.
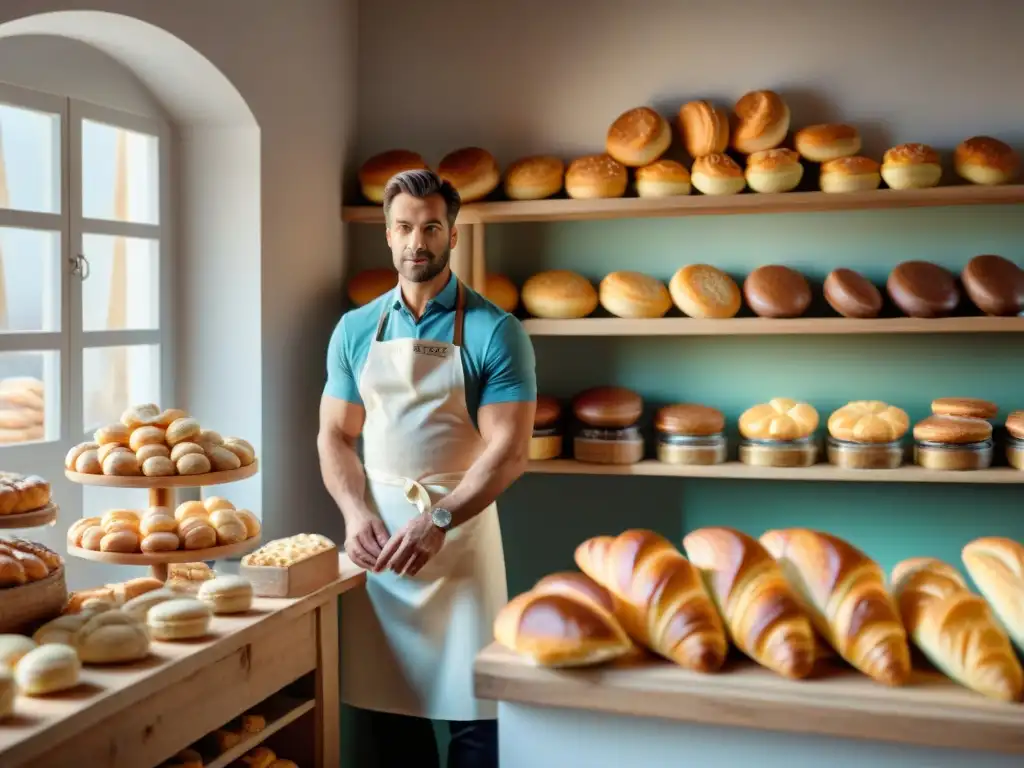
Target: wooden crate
(297,579)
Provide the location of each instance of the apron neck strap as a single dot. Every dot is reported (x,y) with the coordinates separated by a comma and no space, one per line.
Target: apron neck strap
(460,315)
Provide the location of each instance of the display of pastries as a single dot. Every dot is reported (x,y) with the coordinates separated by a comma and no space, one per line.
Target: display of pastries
(22,493)
(866,434)
(559,294)
(717,174)
(704,128)
(689,433)
(534,178)
(663,178)
(473,171)
(827,141)
(849,174)
(608,432)
(760,121)
(638,137)
(290,550)
(704,291)
(779,433)
(633,295)
(596,176)
(23,562)
(774,170)
(911,166)
(953,443)
(184,618)
(986,160)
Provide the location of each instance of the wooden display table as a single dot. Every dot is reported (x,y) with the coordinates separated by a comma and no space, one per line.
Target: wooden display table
(653,712)
(138,715)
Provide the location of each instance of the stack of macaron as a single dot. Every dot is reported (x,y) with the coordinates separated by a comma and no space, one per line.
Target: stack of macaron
(957,435)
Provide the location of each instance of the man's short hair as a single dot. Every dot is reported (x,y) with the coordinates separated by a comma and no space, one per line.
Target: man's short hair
(422,184)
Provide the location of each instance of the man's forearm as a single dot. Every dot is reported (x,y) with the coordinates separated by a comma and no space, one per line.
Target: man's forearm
(490,475)
(343,475)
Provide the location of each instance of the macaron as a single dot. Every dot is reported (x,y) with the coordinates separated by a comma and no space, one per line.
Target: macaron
(139,606)
(227,594)
(181,619)
(48,669)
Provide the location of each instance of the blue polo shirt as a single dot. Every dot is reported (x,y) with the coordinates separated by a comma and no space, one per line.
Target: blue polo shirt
(498,361)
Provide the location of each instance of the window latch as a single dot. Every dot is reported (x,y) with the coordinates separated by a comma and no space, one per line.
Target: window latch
(79,266)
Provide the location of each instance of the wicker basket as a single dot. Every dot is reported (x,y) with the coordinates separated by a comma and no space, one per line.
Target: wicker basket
(24,608)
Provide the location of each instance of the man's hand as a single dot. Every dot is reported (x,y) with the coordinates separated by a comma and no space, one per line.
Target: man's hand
(411,547)
(365,537)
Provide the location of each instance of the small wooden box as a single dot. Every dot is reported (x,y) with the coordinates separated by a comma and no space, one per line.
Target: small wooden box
(297,579)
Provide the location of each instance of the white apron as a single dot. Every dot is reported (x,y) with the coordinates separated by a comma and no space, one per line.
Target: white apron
(408,643)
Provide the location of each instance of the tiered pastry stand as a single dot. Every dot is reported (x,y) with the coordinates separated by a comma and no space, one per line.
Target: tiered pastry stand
(25,606)
(161,494)
(34,518)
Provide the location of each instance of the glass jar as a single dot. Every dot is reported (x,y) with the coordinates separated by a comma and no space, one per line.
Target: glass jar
(779,453)
(546,444)
(1015,452)
(849,455)
(595,445)
(692,450)
(954,457)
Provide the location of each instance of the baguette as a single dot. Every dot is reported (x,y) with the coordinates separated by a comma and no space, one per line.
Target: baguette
(659,597)
(955,628)
(996,566)
(565,620)
(762,615)
(843,591)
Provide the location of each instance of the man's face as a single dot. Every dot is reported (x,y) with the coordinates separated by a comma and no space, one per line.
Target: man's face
(421,242)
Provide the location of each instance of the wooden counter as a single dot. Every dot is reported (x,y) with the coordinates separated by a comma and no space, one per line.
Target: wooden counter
(136,716)
(931,712)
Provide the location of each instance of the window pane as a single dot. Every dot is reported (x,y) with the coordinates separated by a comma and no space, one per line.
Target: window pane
(29,280)
(122,291)
(114,378)
(30,160)
(120,174)
(29,397)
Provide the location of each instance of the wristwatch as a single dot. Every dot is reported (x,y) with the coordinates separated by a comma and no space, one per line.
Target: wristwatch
(441,517)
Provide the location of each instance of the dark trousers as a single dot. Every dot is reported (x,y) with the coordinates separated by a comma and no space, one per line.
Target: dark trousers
(383,740)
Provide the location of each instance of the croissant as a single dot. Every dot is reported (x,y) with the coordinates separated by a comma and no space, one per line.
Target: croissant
(996,566)
(564,621)
(955,628)
(844,592)
(764,619)
(659,597)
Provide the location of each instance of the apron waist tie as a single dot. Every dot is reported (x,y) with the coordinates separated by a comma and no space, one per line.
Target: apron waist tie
(414,492)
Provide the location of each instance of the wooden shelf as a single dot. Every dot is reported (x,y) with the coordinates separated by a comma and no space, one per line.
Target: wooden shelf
(280,712)
(562,209)
(34,518)
(764,326)
(908,473)
(174,481)
(929,711)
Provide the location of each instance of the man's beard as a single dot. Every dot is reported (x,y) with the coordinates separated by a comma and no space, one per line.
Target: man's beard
(423,273)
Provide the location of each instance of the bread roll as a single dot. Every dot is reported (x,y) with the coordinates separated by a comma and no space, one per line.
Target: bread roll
(152,451)
(1015,424)
(181,619)
(761,121)
(169,416)
(634,295)
(985,160)
(221,459)
(501,292)
(911,166)
(779,419)
(704,128)
(88,463)
(868,421)
(92,538)
(249,520)
(158,466)
(777,291)
(956,430)
(849,174)
(608,407)
(972,407)
(955,629)
(472,171)
(995,285)
(595,176)
(146,414)
(12,573)
(12,649)
(689,419)
(227,594)
(559,293)
(121,464)
(188,509)
(703,291)
(197,533)
(376,172)
(851,294)
(230,528)
(827,141)
(112,433)
(367,285)
(112,637)
(148,435)
(996,565)
(105,450)
(774,170)
(48,669)
(638,137)
(923,289)
(193,464)
(717,175)
(185,448)
(120,541)
(663,178)
(74,536)
(182,430)
(212,503)
(161,541)
(242,449)
(534,178)
(72,456)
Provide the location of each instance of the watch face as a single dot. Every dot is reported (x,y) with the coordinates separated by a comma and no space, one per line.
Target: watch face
(442,518)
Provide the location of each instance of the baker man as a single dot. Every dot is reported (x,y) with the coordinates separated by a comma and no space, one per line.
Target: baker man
(442,386)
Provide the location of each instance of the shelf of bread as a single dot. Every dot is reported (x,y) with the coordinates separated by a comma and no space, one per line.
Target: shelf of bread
(795,630)
(241,739)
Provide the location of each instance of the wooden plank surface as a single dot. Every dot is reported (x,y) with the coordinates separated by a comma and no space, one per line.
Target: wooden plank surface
(563,209)
(930,711)
(908,473)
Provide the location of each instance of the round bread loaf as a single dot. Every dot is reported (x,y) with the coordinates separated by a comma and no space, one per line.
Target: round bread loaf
(689,419)
(774,170)
(971,407)
(985,160)
(634,295)
(548,412)
(761,121)
(662,178)
(704,128)
(851,294)
(994,284)
(827,141)
(638,137)
(849,174)
(779,419)
(923,289)
(717,174)
(777,291)
(911,166)
(956,430)
(868,421)
(472,171)
(367,285)
(1015,424)
(559,293)
(501,292)
(596,176)
(610,407)
(375,173)
(534,178)
(703,291)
